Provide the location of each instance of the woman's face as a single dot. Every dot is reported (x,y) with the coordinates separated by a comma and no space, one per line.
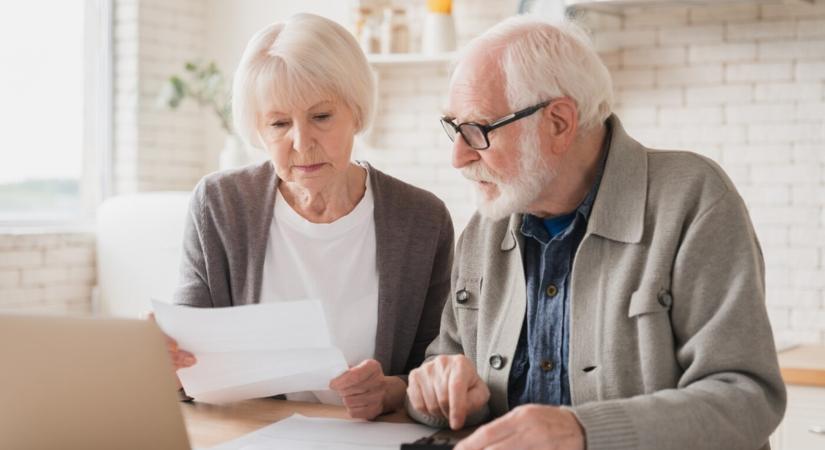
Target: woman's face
(311,145)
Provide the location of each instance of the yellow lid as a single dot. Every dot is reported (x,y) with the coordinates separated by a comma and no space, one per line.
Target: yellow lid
(440,6)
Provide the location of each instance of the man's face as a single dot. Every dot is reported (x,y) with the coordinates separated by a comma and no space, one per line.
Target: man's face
(510,174)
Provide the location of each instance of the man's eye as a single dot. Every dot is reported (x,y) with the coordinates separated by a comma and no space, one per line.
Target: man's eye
(279,124)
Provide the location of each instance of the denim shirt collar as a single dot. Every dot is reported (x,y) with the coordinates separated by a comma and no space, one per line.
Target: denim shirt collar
(533,227)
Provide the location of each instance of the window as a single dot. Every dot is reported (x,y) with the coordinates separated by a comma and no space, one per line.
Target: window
(55,90)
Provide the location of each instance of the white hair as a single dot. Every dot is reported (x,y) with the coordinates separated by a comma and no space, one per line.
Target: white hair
(543,60)
(290,64)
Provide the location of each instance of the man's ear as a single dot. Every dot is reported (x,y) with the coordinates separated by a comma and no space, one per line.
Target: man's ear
(561,123)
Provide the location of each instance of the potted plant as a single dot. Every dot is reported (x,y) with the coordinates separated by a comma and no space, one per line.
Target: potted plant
(205,84)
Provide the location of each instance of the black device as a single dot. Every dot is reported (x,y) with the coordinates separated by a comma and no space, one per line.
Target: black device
(430,443)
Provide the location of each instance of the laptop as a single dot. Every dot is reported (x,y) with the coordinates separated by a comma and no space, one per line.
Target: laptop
(86,383)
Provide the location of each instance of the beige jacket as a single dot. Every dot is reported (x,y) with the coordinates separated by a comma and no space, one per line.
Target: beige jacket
(670,345)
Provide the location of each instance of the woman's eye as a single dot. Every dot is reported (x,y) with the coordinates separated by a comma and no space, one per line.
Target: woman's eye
(279,124)
(322,117)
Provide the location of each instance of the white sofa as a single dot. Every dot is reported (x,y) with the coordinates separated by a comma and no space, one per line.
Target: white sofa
(139,239)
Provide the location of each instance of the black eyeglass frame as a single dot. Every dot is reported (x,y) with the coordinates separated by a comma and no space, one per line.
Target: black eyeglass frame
(485,129)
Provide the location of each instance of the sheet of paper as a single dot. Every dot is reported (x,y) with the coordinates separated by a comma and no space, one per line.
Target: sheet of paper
(310,433)
(252,351)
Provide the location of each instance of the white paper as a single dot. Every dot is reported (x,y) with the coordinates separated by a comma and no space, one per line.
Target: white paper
(252,351)
(310,433)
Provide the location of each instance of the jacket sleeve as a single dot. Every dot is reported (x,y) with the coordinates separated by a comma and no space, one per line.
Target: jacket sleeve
(448,342)
(730,394)
(193,283)
(437,293)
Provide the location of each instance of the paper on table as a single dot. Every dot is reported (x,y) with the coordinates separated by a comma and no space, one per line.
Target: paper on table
(252,351)
(304,433)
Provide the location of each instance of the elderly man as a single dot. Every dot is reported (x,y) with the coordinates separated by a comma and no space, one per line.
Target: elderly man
(605,296)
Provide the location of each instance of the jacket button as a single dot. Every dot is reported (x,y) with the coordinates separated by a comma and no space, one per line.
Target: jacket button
(462,296)
(665,298)
(552,290)
(497,361)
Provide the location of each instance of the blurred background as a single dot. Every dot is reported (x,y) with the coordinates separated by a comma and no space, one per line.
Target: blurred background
(96,165)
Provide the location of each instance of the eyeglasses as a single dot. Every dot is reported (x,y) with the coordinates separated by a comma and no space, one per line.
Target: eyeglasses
(475,134)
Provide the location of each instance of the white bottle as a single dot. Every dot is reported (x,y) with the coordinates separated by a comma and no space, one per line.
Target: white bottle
(387,37)
(439,32)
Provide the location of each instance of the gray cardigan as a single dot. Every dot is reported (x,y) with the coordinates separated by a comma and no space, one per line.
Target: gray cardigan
(227,231)
(670,344)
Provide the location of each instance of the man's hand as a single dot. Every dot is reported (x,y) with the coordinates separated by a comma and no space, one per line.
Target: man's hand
(366,392)
(529,427)
(449,387)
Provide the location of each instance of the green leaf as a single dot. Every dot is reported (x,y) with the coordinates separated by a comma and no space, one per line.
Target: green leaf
(179,86)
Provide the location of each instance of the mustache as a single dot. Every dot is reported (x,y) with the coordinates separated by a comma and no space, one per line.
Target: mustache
(479,172)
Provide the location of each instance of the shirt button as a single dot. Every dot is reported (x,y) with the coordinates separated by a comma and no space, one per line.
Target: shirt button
(552,290)
(546,365)
(497,361)
(462,296)
(665,298)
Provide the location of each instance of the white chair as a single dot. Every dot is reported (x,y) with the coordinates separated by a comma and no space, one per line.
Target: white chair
(139,241)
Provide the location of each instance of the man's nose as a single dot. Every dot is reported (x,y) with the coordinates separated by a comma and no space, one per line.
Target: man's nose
(463,154)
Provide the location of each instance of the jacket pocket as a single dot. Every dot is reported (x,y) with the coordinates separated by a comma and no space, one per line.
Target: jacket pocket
(649,300)
(467,299)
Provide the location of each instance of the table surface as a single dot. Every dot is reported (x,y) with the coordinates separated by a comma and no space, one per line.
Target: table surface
(210,425)
(803,365)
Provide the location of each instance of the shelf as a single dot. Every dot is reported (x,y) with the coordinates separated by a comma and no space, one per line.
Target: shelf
(383,59)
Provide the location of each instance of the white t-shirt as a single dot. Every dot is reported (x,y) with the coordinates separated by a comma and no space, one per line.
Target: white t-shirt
(334,263)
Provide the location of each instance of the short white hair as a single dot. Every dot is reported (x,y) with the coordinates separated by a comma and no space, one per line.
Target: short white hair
(304,59)
(543,60)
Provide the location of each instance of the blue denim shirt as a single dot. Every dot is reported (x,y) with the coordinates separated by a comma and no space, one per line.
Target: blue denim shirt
(539,371)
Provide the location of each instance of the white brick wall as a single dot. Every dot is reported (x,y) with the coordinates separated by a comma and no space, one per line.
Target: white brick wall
(745,85)
(156,149)
(47,272)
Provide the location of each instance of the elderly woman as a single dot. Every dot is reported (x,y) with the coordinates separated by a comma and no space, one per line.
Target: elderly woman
(311,223)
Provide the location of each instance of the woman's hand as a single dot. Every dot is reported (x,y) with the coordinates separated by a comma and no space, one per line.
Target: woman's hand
(180,358)
(366,392)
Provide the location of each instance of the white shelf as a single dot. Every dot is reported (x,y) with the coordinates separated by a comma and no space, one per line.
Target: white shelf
(391,59)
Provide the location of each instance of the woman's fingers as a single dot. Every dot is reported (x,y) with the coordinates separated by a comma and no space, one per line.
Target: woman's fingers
(366,373)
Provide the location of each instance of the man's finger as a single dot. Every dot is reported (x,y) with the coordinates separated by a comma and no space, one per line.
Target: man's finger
(477,395)
(457,386)
(430,401)
(414,393)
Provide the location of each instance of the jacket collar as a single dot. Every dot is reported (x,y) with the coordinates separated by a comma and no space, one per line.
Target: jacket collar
(619,209)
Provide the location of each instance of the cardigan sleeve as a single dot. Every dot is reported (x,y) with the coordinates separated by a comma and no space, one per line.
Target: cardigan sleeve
(193,283)
(727,396)
(437,293)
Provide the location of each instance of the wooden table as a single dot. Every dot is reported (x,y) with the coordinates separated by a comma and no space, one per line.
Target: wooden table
(210,425)
(803,365)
